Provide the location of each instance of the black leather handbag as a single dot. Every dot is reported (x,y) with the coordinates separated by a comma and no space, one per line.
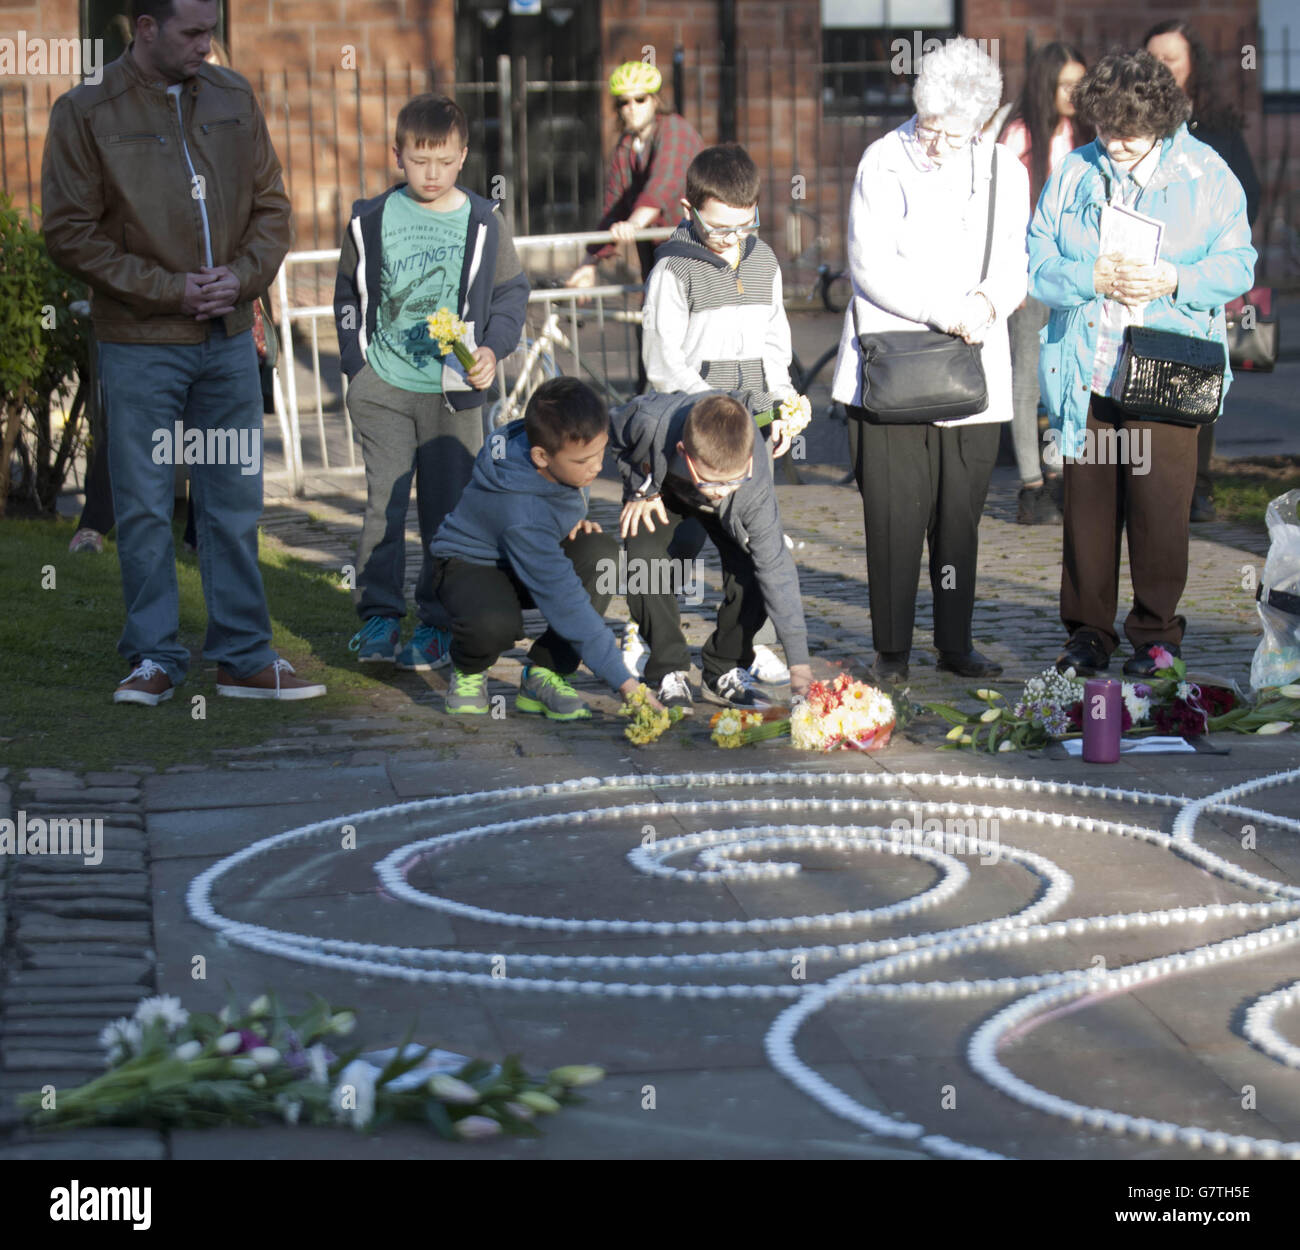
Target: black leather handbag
(1253,347)
(913,377)
(1172,378)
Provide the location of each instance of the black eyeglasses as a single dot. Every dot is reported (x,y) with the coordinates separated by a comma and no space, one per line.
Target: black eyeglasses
(631,99)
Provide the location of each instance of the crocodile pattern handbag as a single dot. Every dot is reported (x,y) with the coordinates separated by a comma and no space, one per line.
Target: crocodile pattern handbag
(1172,378)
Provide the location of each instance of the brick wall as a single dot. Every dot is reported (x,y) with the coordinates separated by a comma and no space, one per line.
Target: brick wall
(332,124)
(324,116)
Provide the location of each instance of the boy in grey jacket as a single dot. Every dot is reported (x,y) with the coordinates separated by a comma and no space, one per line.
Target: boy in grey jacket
(692,456)
(714,317)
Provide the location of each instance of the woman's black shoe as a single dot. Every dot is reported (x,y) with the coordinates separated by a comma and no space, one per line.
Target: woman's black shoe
(972,664)
(1142,665)
(1085,655)
(890,666)
(1036,506)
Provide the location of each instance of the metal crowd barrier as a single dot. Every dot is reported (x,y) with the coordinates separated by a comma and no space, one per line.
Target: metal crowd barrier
(594,363)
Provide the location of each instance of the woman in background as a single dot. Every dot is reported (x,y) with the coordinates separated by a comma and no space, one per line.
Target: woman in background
(1218,124)
(1041,130)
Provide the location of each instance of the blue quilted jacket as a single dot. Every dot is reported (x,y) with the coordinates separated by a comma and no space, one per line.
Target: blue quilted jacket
(1206,237)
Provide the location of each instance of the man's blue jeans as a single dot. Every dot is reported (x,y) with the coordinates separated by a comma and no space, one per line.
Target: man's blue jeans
(211,386)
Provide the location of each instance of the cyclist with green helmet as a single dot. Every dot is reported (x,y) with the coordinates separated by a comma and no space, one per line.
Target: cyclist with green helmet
(647,172)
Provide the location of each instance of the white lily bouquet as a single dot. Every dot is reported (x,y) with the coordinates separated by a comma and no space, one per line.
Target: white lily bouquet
(170,1069)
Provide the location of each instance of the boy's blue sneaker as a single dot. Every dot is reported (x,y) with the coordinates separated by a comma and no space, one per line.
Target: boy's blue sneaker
(430,647)
(467,694)
(376,641)
(546,692)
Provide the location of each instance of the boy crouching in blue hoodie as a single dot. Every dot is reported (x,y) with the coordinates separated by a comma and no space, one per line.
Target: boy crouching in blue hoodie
(519,538)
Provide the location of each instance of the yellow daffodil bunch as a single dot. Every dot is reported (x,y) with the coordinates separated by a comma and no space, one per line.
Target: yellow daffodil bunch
(646,724)
(448,329)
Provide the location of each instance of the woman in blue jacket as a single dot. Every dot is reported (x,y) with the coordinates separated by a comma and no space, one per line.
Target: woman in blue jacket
(1120,472)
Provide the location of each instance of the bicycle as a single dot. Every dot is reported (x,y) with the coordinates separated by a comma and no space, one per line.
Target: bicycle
(538,366)
(830,284)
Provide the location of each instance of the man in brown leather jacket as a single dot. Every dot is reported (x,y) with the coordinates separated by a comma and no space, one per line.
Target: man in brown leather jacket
(162,191)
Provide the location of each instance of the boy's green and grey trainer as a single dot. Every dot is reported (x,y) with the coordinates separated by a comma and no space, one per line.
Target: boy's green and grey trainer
(467,694)
(376,641)
(548,693)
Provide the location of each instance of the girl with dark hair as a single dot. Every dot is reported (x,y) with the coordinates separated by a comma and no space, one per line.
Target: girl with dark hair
(1041,130)
(1216,122)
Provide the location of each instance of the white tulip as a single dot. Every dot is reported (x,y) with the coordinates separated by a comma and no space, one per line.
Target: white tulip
(452,1089)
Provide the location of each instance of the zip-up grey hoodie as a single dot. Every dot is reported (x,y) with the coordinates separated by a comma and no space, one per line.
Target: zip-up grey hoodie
(643,437)
(510,516)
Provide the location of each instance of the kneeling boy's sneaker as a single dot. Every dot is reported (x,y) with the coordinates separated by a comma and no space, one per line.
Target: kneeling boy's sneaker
(467,694)
(675,691)
(735,688)
(275,681)
(767,667)
(544,691)
(376,641)
(146,683)
(430,647)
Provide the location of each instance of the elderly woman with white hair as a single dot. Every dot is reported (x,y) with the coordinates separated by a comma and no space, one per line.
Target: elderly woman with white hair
(936,243)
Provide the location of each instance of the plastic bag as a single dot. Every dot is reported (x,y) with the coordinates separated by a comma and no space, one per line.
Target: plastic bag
(1277,658)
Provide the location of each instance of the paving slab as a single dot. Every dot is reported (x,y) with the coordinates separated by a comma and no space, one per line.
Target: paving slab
(365,787)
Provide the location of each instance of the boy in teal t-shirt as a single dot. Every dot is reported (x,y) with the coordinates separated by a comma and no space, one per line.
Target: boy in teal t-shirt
(422,246)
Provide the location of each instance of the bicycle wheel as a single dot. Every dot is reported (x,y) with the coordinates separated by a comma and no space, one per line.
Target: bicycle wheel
(836,290)
(797,373)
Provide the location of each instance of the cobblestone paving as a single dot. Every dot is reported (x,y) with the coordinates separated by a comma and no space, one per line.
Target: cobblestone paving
(1016,619)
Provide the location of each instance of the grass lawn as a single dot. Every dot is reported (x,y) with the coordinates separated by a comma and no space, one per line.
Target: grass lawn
(1244,488)
(59,647)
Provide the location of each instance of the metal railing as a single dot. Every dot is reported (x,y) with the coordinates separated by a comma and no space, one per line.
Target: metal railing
(596,359)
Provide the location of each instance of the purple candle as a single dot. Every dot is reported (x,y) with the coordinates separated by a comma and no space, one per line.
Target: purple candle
(1103,720)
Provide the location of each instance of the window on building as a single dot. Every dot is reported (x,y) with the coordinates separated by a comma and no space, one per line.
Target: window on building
(1279,55)
(869,51)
